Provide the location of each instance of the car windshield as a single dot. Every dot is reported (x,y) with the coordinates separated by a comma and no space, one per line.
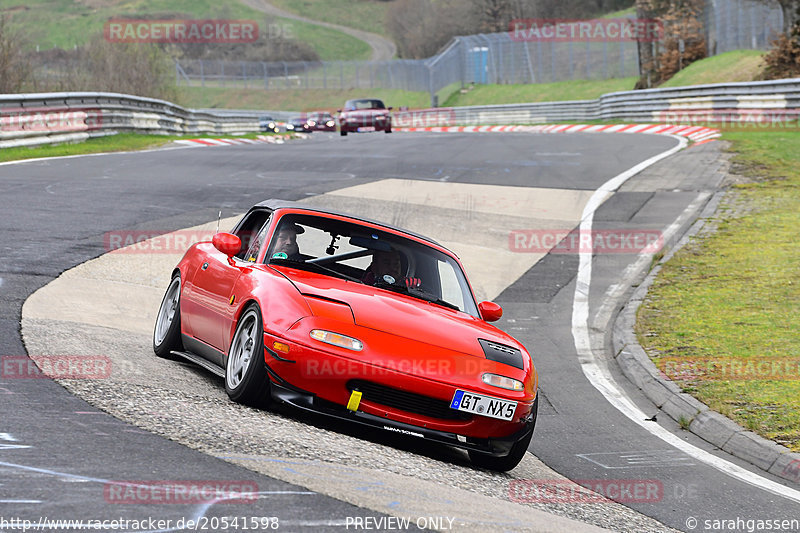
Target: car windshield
(364,104)
(366,255)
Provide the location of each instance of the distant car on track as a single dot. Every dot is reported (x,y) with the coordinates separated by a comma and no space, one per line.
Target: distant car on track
(267,123)
(354,319)
(366,114)
(321,121)
(298,124)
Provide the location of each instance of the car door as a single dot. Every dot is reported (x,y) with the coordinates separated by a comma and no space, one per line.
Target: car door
(211,286)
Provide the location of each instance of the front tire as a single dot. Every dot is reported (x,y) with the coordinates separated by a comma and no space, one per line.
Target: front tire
(167,331)
(510,461)
(343,133)
(246,379)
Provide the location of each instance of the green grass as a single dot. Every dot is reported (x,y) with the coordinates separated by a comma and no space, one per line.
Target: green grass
(123,142)
(622,13)
(539,92)
(295,100)
(55,23)
(738,65)
(735,294)
(366,15)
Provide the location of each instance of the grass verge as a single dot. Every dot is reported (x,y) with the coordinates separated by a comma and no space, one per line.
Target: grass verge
(123,142)
(53,23)
(539,92)
(295,100)
(737,65)
(727,306)
(359,14)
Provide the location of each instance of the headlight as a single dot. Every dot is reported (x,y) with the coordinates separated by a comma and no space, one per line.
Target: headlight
(312,123)
(337,339)
(330,123)
(290,126)
(502,382)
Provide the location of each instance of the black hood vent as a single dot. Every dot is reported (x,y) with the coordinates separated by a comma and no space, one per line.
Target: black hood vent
(502,354)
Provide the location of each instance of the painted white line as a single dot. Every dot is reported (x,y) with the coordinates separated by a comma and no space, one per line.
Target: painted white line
(97,154)
(599,376)
(202,510)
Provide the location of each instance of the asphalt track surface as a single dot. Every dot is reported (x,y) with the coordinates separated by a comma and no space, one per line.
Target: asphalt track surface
(54,446)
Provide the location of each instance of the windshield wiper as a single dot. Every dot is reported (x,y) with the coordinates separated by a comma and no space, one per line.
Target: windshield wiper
(416,293)
(430,297)
(313,266)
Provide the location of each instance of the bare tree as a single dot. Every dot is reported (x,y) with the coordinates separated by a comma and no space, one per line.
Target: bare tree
(791,14)
(646,9)
(494,15)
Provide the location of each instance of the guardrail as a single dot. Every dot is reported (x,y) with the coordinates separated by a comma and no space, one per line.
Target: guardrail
(44,118)
(30,119)
(722,103)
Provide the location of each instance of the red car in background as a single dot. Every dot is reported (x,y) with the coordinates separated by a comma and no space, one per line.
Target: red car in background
(367,114)
(354,319)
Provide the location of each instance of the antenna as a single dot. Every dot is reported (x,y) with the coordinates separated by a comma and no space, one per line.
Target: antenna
(219,216)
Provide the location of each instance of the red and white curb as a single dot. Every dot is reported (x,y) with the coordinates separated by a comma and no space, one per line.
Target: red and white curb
(270,139)
(694,133)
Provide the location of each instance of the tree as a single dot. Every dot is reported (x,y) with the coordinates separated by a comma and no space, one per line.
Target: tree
(646,9)
(791,14)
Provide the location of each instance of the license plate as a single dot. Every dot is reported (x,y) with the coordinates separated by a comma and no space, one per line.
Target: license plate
(483,405)
(367,128)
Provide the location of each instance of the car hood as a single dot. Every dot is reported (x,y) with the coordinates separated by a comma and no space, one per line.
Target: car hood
(366,112)
(401,315)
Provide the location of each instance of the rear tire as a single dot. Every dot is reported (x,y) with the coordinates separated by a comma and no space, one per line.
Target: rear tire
(343,133)
(388,130)
(246,379)
(167,330)
(506,462)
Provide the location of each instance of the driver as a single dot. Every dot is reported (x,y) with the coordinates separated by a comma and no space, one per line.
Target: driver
(387,267)
(285,243)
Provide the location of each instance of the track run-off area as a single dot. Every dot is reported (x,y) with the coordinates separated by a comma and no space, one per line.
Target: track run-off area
(501,200)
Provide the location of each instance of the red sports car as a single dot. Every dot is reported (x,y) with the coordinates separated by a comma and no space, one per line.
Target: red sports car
(355,319)
(367,114)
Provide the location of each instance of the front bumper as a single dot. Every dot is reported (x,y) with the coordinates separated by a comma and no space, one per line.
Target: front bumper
(283,392)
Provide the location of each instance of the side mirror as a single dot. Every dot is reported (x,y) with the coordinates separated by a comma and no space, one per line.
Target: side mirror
(390,108)
(338,110)
(227,243)
(490,311)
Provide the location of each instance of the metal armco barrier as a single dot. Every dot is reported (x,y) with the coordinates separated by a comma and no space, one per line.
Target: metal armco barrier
(724,102)
(30,119)
(45,118)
